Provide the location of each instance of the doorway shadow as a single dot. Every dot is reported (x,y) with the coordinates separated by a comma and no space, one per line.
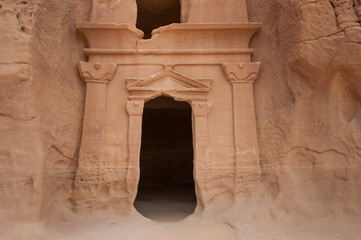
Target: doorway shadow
(166,190)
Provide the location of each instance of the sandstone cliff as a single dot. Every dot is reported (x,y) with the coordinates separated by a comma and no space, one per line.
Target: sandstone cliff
(308,106)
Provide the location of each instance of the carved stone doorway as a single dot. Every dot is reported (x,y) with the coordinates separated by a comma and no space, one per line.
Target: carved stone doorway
(166,190)
(205,61)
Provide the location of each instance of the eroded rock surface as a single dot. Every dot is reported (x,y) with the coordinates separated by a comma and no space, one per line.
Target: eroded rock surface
(307,99)
(21,153)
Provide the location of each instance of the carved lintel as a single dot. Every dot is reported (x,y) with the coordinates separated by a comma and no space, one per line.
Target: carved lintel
(135,107)
(242,72)
(97,72)
(201,108)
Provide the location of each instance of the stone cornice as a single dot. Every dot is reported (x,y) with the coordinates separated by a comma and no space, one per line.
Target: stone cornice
(225,51)
(255,26)
(108,35)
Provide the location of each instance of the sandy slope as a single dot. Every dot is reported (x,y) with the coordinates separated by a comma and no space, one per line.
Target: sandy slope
(121,228)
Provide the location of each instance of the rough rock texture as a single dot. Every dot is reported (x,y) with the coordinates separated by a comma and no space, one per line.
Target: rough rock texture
(21,154)
(60,95)
(308,105)
(41,104)
(309,119)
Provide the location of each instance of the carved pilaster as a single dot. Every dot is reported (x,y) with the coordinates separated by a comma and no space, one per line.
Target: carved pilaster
(242,76)
(201,111)
(88,175)
(135,112)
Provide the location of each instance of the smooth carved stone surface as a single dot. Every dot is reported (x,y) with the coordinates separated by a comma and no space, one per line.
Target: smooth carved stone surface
(114,11)
(212,11)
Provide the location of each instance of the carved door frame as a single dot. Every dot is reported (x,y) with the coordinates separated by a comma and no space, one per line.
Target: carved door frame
(169,83)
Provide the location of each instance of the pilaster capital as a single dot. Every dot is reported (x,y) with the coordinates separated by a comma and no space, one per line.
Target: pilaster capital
(201,108)
(97,72)
(135,107)
(242,72)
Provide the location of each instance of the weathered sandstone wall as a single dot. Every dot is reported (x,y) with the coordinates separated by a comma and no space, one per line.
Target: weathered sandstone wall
(57,48)
(21,152)
(308,105)
(41,104)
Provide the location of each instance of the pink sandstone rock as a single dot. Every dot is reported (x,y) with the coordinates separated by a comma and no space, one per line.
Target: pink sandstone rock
(275,97)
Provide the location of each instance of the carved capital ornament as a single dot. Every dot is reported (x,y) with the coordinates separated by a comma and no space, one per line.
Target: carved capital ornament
(201,108)
(96,72)
(242,72)
(135,107)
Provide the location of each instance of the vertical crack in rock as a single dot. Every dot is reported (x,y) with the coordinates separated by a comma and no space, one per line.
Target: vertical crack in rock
(345,14)
(357,8)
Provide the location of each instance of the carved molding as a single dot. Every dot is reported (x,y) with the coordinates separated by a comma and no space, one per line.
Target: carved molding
(96,72)
(201,108)
(103,51)
(242,72)
(169,83)
(135,107)
(173,78)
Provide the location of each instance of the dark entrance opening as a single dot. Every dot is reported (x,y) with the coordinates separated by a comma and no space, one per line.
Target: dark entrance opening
(153,14)
(166,190)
